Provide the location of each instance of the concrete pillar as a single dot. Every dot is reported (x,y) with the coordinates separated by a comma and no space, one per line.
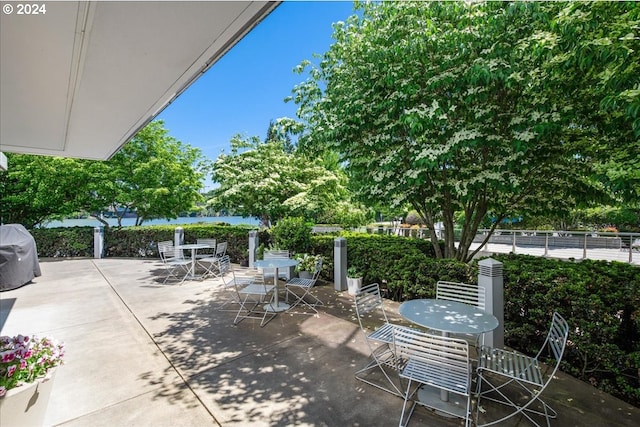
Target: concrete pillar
(178,236)
(340,263)
(98,242)
(254,242)
(491,279)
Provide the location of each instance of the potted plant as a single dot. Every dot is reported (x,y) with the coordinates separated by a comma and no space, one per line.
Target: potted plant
(306,265)
(27,369)
(354,280)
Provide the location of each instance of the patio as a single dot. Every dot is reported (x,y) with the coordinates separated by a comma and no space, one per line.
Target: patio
(142,353)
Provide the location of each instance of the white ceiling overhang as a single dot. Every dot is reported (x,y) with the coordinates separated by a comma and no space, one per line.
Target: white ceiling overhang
(82,79)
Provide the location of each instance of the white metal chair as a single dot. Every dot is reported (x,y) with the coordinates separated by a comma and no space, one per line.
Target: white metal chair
(305,286)
(500,368)
(205,253)
(368,302)
(237,279)
(173,259)
(256,300)
(434,361)
(269,272)
(210,262)
(466,293)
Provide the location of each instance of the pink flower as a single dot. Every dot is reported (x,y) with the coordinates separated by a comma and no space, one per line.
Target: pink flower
(11,370)
(8,356)
(3,390)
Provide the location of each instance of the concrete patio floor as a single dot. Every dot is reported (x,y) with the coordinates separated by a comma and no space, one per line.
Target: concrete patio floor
(140,353)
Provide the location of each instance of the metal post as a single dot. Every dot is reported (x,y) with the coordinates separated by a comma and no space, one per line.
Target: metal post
(491,279)
(98,242)
(340,263)
(178,236)
(254,242)
(513,244)
(546,244)
(584,249)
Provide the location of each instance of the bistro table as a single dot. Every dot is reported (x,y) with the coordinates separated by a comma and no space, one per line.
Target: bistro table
(191,274)
(276,263)
(446,317)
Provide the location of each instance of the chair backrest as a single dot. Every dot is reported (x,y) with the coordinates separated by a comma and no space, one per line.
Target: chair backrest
(556,340)
(224,265)
(167,251)
(444,360)
(461,292)
(210,242)
(272,254)
(368,300)
(318,270)
(163,245)
(221,249)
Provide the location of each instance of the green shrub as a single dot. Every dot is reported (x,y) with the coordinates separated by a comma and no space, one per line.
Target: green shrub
(601,302)
(292,234)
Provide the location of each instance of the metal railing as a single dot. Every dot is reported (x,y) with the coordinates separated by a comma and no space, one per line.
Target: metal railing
(611,246)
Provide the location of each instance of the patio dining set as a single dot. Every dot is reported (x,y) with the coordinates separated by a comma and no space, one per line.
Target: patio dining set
(430,363)
(440,362)
(251,293)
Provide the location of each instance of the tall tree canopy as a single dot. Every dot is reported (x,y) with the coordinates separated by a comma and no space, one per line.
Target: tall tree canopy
(447,106)
(153,175)
(264,180)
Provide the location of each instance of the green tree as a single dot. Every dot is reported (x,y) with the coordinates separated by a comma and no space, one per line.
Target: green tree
(263,180)
(37,188)
(154,175)
(443,106)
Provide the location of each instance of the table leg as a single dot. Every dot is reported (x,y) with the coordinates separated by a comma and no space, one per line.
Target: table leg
(277,306)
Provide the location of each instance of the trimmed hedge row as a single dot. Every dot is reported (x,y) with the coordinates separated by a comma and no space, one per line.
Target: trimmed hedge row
(138,242)
(601,302)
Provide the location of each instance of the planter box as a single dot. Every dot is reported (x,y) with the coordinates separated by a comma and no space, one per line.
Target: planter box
(353,285)
(26,405)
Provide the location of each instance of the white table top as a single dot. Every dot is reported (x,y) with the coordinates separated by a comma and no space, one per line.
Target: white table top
(193,246)
(448,316)
(276,263)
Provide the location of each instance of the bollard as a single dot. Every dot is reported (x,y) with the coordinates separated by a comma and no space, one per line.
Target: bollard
(491,279)
(178,236)
(98,242)
(340,263)
(254,242)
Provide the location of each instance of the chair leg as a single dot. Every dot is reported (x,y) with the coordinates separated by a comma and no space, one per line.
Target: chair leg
(300,299)
(404,406)
(548,414)
(379,358)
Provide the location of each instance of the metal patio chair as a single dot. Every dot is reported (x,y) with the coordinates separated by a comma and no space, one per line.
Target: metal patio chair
(173,259)
(369,306)
(434,361)
(304,287)
(256,300)
(283,274)
(500,368)
(466,293)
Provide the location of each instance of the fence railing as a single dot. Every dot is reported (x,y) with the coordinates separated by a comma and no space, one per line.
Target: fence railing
(612,246)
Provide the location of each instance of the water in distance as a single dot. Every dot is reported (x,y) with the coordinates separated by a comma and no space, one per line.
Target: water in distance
(127,222)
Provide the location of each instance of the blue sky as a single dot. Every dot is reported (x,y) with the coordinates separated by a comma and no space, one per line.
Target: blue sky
(246,88)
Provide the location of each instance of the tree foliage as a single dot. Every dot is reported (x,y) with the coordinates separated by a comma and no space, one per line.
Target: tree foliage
(153,175)
(263,180)
(448,106)
(36,188)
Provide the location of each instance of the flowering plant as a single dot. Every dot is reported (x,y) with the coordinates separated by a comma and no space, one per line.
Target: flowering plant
(25,359)
(307,262)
